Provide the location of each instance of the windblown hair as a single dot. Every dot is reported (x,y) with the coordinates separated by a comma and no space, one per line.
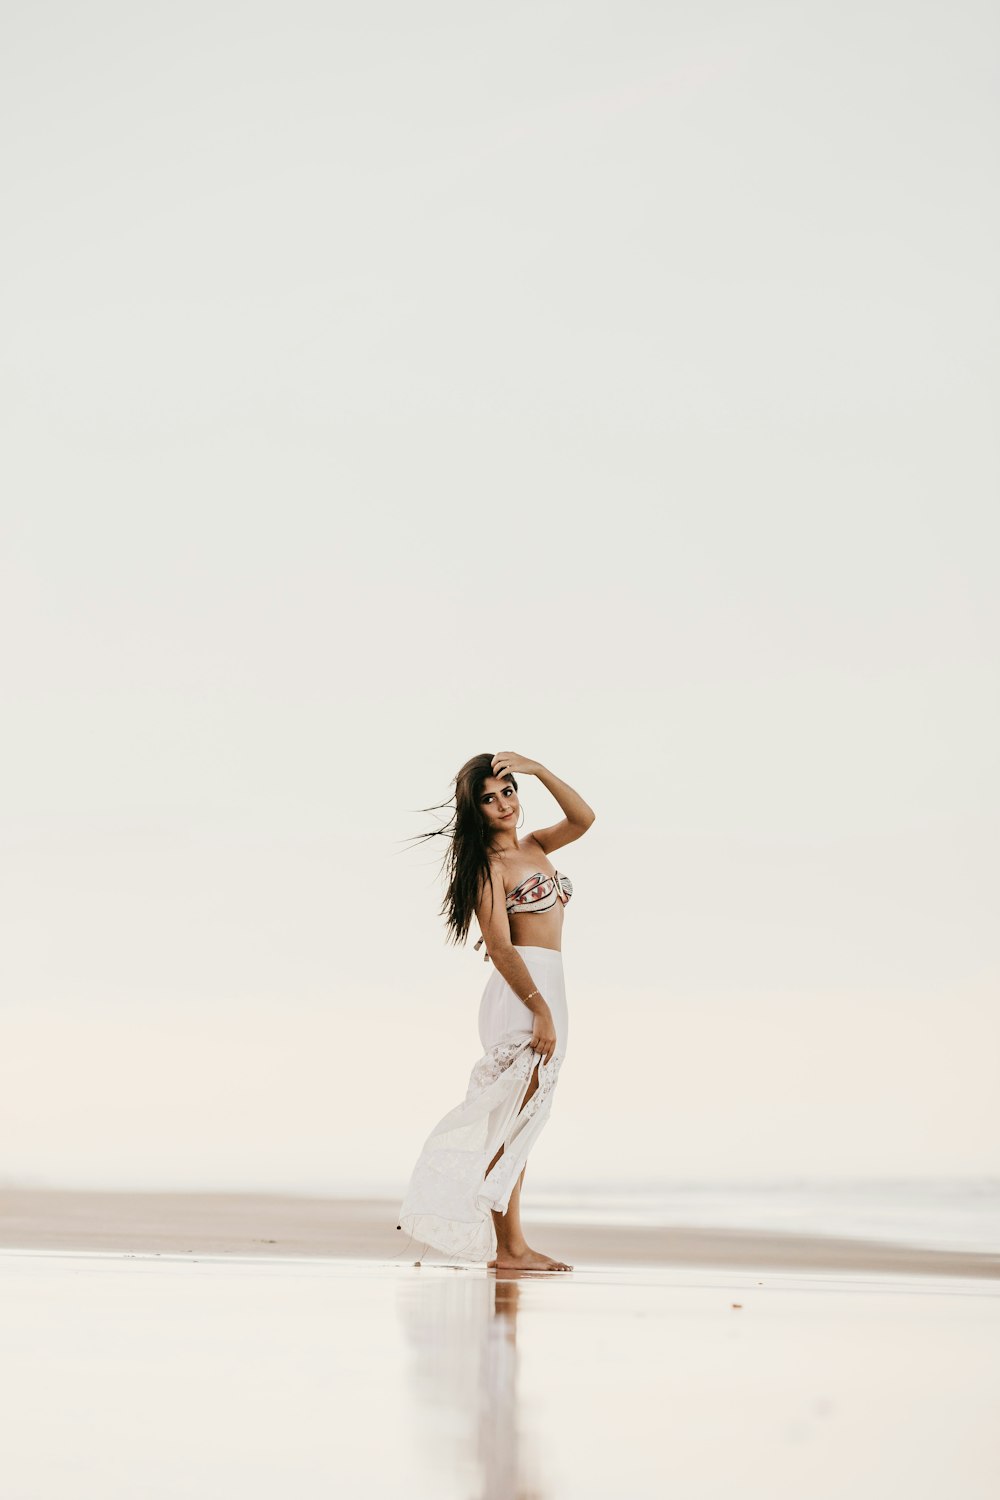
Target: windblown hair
(467,858)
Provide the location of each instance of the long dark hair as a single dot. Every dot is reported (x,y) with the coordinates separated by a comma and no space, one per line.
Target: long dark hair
(467,857)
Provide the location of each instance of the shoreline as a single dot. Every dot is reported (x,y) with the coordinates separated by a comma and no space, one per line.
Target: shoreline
(272,1224)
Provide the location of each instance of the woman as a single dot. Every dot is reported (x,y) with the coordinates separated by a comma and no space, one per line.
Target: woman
(472,1164)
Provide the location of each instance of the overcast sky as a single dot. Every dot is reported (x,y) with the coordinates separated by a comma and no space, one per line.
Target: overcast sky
(387,383)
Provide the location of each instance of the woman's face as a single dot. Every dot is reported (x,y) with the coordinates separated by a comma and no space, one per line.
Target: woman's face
(498,804)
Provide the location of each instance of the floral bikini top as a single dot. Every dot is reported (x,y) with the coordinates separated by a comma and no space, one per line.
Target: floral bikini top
(536,892)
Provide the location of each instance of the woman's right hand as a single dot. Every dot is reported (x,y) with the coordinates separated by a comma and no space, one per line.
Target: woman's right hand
(543,1035)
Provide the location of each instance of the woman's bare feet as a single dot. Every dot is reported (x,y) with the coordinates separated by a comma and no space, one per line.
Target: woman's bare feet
(526,1260)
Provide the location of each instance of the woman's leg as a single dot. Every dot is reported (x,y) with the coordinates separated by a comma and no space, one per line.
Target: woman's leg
(510,1236)
(513,1249)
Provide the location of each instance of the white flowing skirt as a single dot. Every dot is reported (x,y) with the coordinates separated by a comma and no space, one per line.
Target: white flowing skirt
(450,1197)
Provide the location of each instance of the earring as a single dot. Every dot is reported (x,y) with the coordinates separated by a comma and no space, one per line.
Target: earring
(522,817)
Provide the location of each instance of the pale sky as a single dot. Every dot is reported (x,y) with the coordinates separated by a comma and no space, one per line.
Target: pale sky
(387,383)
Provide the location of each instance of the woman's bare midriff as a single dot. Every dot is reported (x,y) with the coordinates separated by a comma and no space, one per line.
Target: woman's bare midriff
(541,930)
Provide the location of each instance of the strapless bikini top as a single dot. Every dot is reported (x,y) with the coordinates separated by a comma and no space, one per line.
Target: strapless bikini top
(540,892)
(536,892)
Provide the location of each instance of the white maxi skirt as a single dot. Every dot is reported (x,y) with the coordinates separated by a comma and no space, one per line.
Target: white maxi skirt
(450,1197)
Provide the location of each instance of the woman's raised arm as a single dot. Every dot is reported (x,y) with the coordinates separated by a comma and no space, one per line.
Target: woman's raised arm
(579,815)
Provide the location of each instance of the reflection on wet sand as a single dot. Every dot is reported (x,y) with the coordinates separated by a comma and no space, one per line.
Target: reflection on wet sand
(461,1330)
(253,1376)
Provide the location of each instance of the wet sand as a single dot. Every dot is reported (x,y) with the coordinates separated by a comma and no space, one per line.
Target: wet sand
(248,1224)
(208,1344)
(179,1373)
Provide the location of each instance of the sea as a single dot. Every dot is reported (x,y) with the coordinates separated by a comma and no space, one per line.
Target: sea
(935,1213)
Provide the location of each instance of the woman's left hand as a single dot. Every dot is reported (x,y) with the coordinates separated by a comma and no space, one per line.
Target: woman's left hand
(509,760)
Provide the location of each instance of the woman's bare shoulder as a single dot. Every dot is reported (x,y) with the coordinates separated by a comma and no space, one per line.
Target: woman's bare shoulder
(531,846)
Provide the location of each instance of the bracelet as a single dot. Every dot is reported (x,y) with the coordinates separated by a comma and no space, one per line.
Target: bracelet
(528,997)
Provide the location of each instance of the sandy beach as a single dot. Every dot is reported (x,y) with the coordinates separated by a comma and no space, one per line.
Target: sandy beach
(204,1345)
(247,1224)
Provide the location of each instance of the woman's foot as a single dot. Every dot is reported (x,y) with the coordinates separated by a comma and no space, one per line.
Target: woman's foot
(526,1260)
